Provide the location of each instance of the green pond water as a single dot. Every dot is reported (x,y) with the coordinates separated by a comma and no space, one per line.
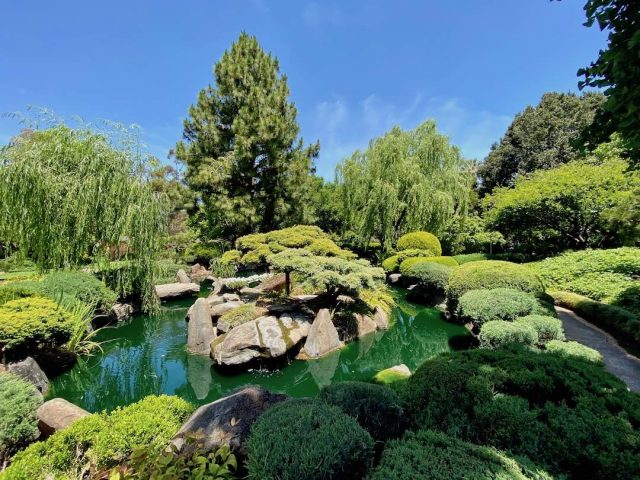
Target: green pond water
(147,356)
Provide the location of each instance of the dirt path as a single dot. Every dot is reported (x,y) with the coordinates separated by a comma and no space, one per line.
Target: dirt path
(616,359)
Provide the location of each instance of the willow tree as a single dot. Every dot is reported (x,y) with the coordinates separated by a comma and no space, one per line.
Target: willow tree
(405,181)
(71,195)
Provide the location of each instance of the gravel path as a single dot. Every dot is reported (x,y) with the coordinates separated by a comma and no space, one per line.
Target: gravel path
(616,359)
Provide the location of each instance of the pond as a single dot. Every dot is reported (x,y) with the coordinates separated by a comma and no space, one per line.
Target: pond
(147,356)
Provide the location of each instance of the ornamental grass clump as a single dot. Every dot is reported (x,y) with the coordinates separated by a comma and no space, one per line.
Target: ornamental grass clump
(305,438)
(482,306)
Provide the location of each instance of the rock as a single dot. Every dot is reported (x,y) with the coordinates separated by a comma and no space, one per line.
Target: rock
(176,290)
(304,298)
(228,421)
(200,330)
(323,336)
(182,277)
(216,286)
(276,283)
(395,278)
(198,272)
(393,374)
(231,297)
(381,318)
(239,346)
(346,299)
(221,309)
(271,336)
(57,414)
(121,311)
(214,300)
(297,327)
(30,371)
(280,308)
(364,325)
(249,293)
(55,361)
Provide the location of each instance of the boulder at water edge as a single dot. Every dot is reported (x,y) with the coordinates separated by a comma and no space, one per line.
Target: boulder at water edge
(30,371)
(200,330)
(364,324)
(228,421)
(57,414)
(393,374)
(169,291)
(323,336)
(381,318)
(222,308)
(182,277)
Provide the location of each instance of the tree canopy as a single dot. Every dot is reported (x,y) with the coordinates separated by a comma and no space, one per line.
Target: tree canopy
(404,181)
(540,137)
(241,147)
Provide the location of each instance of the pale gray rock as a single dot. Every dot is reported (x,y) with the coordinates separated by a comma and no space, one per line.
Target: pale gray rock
(231,297)
(182,277)
(29,370)
(200,332)
(214,300)
(272,336)
(381,318)
(394,278)
(239,346)
(221,309)
(365,325)
(323,336)
(176,290)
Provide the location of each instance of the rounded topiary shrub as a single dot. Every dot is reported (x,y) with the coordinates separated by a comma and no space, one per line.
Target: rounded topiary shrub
(421,241)
(376,408)
(497,333)
(391,264)
(430,281)
(304,438)
(574,349)
(481,306)
(436,456)
(547,328)
(489,274)
(407,264)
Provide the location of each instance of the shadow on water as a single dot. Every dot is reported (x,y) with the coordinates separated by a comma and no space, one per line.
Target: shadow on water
(147,356)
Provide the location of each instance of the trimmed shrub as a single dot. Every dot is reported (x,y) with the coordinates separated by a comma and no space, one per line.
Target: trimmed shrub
(391,264)
(231,257)
(565,414)
(239,315)
(489,274)
(431,282)
(19,400)
(470,257)
(547,328)
(202,252)
(390,375)
(379,297)
(420,240)
(27,323)
(376,408)
(574,349)
(102,440)
(14,291)
(407,264)
(327,248)
(497,333)
(81,286)
(481,306)
(429,455)
(304,438)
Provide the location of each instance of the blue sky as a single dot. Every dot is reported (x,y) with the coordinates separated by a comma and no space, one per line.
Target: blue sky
(355,68)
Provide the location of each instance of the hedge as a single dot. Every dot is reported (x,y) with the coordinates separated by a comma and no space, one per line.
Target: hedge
(574,349)
(547,328)
(567,415)
(498,333)
(489,274)
(481,306)
(19,400)
(470,257)
(376,408)
(428,455)
(420,240)
(305,438)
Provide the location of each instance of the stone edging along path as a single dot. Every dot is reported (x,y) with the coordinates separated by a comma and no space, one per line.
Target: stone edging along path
(616,359)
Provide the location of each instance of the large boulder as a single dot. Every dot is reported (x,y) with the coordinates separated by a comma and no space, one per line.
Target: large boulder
(231,297)
(222,308)
(121,312)
(297,326)
(201,331)
(30,371)
(182,277)
(381,318)
(198,272)
(364,324)
(276,283)
(227,421)
(170,291)
(214,300)
(323,337)
(57,414)
(240,345)
(271,336)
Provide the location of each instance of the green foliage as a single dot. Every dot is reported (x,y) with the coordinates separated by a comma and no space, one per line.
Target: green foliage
(428,455)
(376,408)
(308,439)
(239,315)
(482,306)
(330,274)
(28,323)
(409,263)
(202,252)
(574,349)
(616,70)
(16,263)
(18,420)
(547,328)
(470,257)
(489,274)
(559,209)
(420,241)
(103,440)
(621,323)
(231,257)
(379,297)
(431,281)
(389,376)
(241,148)
(565,414)
(15,290)
(498,333)
(609,276)
(404,181)
(68,194)
(528,146)
(391,264)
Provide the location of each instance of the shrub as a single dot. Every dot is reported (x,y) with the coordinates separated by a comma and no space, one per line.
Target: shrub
(28,322)
(308,439)
(435,456)
(239,315)
(81,286)
(574,349)
(431,282)
(579,419)
(202,252)
(391,264)
(378,297)
(481,306)
(470,257)
(547,328)
(376,408)
(490,274)
(103,440)
(18,420)
(327,248)
(13,291)
(390,375)
(497,333)
(420,240)
(407,264)
(231,257)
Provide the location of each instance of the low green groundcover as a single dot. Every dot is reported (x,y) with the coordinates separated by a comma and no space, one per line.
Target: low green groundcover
(18,421)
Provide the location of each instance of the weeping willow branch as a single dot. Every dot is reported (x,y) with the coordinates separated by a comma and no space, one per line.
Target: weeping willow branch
(70,196)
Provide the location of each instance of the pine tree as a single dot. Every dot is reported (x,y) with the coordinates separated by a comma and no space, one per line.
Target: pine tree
(241,147)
